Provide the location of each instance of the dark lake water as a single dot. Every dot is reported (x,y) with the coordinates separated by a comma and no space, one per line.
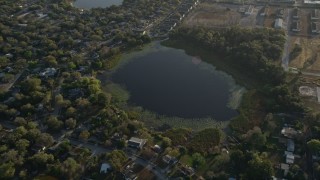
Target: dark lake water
(88,4)
(171,83)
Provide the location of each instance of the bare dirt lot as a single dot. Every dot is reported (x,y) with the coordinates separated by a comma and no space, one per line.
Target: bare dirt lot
(309,58)
(213,15)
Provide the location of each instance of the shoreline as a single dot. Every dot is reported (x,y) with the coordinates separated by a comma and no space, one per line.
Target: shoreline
(154,120)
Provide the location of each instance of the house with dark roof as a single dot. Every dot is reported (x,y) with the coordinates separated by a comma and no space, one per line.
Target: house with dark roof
(315,14)
(295,27)
(290,145)
(315,28)
(296,13)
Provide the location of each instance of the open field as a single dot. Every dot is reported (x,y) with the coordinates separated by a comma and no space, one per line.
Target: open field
(309,58)
(212,15)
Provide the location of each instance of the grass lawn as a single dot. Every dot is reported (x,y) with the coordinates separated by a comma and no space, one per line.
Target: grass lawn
(186,160)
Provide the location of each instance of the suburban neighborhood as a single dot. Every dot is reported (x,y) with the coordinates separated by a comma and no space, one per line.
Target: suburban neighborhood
(60,118)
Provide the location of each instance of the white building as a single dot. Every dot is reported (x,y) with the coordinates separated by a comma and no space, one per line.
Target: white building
(105,167)
(278,23)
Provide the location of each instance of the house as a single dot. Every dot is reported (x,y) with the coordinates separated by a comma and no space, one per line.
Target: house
(9,55)
(280,13)
(278,23)
(105,167)
(315,28)
(295,26)
(315,14)
(48,72)
(187,170)
(249,10)
(289,132)
(290,145)
(289,157)
(296,13)
(136,142)
(157,148)
(285,168)
(314,2)
(169,159)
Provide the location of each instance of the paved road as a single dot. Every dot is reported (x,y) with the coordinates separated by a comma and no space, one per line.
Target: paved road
(286,53)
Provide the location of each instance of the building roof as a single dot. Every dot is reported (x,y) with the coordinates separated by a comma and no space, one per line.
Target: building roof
(295,26)
(278,23)
(290,145)
(311,2)
(166,158)
(284,166)
(295,13)
(315,28)
(136,142)
(289,158)
(315,14)
(105,167)
(289,132)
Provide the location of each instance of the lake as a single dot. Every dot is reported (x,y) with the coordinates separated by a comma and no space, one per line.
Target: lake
(169,82)
(88,4)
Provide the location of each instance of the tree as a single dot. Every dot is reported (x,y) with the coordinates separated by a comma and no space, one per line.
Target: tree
(71,112)
(40,160)
(104,99)
(45,139)
(198,160)
(7,170)
(53,123)
(256,138)
(117,158)
(51,61)
(166,142)
(238,161)
(20,121)
(31,84)
(314,145)
(71,169)
(22,145)
(259,168)
(84,135)
(3,61)
(71,123)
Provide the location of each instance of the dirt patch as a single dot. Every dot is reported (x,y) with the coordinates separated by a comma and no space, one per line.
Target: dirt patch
(309,58)
(212,15)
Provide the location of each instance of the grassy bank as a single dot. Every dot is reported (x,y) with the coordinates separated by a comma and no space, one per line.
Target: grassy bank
(154,120)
